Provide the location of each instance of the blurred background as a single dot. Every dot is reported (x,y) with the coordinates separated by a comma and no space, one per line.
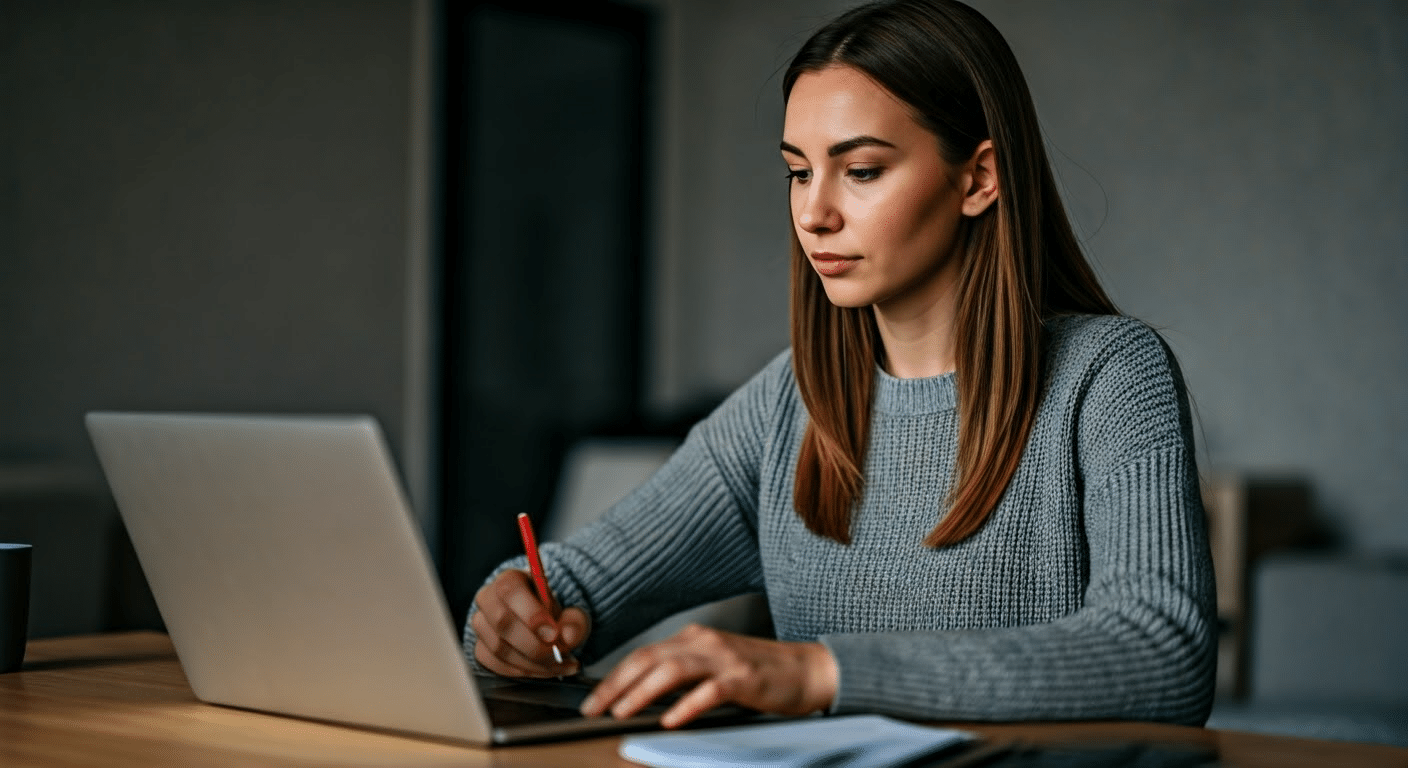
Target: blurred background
(502,228)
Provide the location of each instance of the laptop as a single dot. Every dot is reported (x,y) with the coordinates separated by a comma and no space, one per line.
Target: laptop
(293,580)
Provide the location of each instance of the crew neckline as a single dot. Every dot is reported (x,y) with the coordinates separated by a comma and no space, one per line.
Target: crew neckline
(931,394)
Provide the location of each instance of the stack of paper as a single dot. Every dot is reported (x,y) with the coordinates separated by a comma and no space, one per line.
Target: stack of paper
(853,741)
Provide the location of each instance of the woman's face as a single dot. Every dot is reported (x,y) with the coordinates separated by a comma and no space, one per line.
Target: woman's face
(875,206)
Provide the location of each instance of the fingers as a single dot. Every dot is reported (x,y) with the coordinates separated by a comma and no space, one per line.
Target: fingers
(767,675)
(663,677)
(639,679)
(517,595)
(574,625)
(652,671)
(514,632)
(705,696)
(499,657)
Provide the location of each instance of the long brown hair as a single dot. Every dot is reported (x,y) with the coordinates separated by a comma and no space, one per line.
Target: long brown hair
(1020,264)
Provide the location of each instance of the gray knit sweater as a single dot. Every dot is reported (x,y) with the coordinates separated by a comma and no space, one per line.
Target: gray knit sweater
(1087,594)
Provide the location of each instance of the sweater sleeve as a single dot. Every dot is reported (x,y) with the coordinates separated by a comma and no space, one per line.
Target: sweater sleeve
(1143,644)
(688,536)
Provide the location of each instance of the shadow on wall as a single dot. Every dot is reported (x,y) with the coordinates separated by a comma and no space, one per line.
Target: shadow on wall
(86,577)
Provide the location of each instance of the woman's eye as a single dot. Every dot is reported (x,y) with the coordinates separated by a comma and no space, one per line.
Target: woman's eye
(864,174)
(798,174)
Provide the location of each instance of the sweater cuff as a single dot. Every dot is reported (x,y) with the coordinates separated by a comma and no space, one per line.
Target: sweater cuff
(860,687)
(841,667)
(889,673)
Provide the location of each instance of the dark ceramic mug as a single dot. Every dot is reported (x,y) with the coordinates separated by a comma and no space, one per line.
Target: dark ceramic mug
(14,604)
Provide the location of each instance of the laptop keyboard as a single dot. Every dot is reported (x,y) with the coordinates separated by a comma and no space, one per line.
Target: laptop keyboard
(505,712)
(566,694)
(513,702)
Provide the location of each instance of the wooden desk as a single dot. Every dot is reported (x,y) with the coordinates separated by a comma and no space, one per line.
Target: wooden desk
(121,700)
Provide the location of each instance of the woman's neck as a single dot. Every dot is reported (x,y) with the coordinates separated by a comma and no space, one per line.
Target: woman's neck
(918,335)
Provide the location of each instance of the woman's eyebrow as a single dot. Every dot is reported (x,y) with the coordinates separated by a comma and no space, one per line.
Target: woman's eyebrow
(842,147)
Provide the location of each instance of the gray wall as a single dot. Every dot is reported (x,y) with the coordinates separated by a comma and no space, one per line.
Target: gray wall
(1255,161)
(1239,172)
(217,206)
(202,206)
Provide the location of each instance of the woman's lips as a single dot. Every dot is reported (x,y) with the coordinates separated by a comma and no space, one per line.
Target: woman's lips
(833,264)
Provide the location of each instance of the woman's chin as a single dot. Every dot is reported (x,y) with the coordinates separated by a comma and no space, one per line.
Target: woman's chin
(846,297)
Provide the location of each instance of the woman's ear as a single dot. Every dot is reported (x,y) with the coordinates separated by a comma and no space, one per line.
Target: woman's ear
(980,179)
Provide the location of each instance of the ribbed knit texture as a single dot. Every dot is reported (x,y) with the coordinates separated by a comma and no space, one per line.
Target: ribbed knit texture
(1087,594)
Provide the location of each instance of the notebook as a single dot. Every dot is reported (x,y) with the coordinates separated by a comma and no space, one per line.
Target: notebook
(293,579)
(854,741)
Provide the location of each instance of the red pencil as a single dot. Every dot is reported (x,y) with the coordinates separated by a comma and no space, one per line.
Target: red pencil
(535,565)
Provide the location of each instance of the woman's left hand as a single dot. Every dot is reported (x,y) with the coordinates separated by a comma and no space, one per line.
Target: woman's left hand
(766,675)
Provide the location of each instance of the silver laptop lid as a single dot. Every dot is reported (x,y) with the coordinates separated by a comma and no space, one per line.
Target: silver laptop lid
(291,577)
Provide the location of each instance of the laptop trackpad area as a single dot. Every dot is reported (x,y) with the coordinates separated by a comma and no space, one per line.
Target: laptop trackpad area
(567,693)
(531,709)
(514,700)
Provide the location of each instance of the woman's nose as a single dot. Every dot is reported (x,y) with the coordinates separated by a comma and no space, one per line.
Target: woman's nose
(818,214)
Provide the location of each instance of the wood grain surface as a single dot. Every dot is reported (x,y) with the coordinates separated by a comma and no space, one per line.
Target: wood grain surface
(121,700)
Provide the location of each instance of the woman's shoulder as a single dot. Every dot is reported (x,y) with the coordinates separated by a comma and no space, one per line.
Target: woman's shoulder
(1086,341)
(1097,330)
(1121,376)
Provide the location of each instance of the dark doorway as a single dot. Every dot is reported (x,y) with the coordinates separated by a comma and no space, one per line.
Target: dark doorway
(542,288)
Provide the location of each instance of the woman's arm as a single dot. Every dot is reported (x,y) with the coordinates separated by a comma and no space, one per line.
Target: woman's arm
(686,537)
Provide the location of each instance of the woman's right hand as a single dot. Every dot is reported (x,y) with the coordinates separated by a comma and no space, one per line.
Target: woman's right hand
(514,632)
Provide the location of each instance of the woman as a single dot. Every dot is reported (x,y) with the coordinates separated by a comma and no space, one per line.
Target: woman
(968,489)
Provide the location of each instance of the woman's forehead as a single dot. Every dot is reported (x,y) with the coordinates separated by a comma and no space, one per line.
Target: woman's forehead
(839,103)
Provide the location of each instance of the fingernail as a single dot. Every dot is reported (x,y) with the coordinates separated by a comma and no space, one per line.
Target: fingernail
(588,704)
(545,632)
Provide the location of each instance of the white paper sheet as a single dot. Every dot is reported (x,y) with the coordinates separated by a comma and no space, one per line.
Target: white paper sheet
(852,741)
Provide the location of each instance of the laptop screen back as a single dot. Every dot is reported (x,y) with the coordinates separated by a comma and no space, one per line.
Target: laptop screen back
(288,569)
